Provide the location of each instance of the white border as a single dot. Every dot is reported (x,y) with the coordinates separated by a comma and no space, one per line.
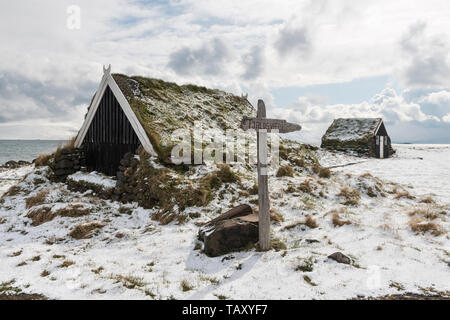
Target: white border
(108,80)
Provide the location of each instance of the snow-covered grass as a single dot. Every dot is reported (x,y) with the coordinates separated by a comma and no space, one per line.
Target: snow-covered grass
(94,178)
(133,256)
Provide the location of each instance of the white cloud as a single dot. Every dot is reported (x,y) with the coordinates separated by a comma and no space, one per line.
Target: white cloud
(344,40)
(446,118)
(427,58)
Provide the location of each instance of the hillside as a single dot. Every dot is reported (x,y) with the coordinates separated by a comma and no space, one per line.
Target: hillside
(73,240)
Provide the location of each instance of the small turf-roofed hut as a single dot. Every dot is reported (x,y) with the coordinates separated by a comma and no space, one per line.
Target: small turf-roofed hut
(127,112)
(363,136)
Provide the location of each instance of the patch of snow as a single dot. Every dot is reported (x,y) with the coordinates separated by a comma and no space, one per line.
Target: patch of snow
(95,178)
(134,257)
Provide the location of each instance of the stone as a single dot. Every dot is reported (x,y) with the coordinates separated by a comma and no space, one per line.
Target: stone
(63,164)
(340,257)
(66,151)
(120,176)
(239,211)
(230,232)
(15,164)
(128,156)
(64,172)
(229,235)
(124,163)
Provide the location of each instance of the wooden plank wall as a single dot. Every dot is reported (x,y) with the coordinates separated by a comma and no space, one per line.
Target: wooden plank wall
(109,136)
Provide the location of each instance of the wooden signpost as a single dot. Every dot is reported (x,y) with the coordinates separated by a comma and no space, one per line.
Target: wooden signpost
(262,126)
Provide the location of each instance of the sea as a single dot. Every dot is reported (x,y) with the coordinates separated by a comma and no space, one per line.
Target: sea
(27,150)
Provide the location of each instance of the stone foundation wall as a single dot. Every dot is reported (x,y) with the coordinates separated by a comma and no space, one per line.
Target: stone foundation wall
(125,190)
(68,161)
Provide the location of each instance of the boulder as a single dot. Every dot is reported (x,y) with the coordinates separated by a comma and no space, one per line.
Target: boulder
(63,164)
(340,257)
(15,164)
(229,232)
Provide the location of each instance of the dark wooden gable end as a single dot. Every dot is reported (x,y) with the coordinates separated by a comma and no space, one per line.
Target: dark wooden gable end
(387,150)
(109,137)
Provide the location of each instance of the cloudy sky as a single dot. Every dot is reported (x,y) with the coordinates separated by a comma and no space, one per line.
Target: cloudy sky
(311,61)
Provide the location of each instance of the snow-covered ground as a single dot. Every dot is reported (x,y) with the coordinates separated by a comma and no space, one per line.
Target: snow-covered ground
(135,257)
(10,177)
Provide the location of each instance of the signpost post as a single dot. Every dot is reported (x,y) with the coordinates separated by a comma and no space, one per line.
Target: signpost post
(262,125)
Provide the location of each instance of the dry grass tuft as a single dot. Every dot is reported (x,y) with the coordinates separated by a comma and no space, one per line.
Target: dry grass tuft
(426,213)
(74,211)
(253,190)
(66,264)
(402,194)
(422,226)
(185,286)
(13,191)
(37,199)
(276,216)
(322,172)
(86,230)
(428,200)
(285,171)
(44,214)
(336,219)
(306,186)
(130,282)
(310,222)
(43,160)
(40,215)
(277,245)
(351,196)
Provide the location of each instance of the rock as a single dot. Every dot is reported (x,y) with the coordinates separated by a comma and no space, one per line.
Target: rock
(128,156)
(120,176)
(340,257)
(15,164)
(229,235)
(230,231)
(66,151)
(63,164)
(64,172)
(239,211)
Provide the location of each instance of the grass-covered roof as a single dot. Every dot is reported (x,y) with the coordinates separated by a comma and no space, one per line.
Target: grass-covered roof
(162,107)
(350,129)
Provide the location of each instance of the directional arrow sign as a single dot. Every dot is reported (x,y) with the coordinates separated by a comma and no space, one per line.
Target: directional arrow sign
(262,126)
(276,125)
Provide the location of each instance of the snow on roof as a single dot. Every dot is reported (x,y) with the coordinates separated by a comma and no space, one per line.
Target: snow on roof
(162,107)
(347,129)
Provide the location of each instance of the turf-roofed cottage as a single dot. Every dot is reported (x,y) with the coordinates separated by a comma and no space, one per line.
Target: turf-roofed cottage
(128,112)
(363,136)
